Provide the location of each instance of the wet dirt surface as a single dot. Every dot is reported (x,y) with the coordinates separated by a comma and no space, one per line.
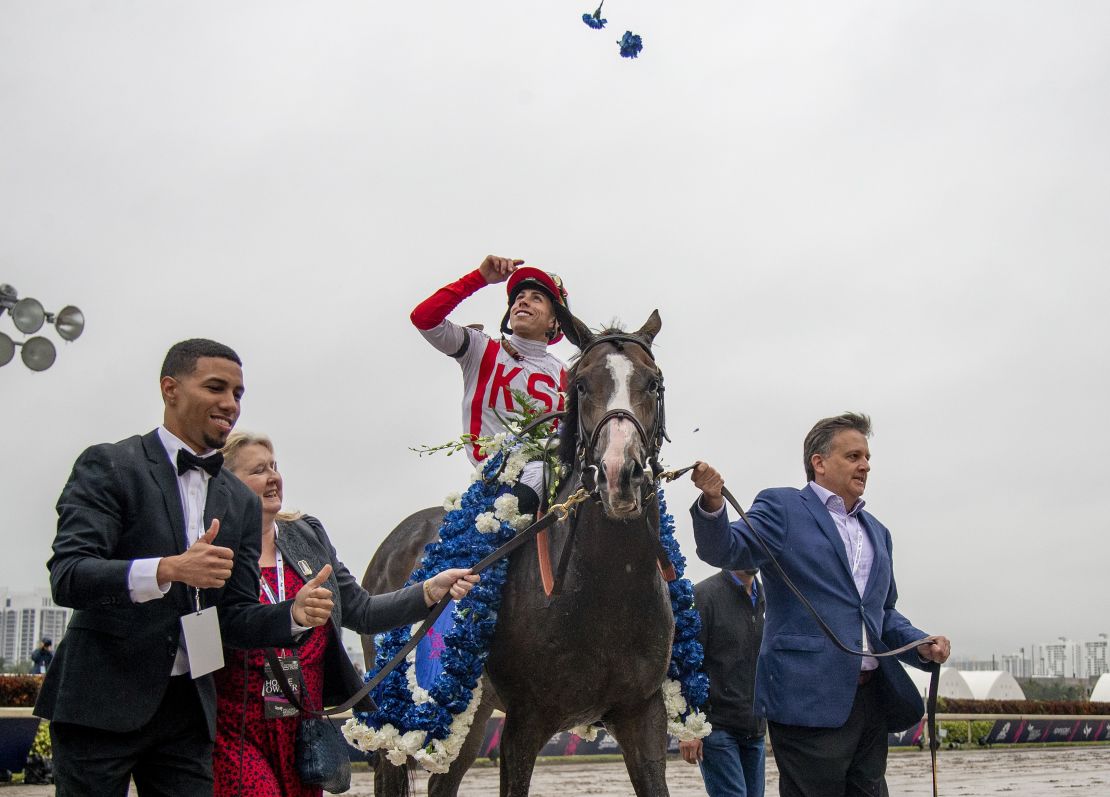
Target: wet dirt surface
(1045,772)
(962,773)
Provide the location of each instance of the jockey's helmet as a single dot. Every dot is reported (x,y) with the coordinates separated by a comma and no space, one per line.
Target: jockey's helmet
(544,281)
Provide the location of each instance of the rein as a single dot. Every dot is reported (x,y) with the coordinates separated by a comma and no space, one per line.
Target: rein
(933,668)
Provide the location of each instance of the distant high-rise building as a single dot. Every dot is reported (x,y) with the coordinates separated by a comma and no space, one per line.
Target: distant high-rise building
(1016,664)
(1095,658)
(27,618)
(1061,659)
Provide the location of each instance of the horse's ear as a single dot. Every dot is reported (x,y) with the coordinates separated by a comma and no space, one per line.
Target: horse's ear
(575,331)
(651,327)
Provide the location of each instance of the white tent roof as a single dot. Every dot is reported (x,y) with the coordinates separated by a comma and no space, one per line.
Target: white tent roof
(1101,692)
(992,685)
(951,684)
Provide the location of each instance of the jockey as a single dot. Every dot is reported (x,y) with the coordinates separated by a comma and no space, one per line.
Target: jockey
(493,369)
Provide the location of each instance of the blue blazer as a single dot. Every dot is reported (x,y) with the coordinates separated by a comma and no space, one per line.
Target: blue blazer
(801,677)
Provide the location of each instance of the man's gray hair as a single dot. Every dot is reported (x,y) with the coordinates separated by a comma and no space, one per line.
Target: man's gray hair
(820,437)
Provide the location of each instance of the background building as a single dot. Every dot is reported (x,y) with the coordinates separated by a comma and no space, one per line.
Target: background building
(1094,657)
(28,617)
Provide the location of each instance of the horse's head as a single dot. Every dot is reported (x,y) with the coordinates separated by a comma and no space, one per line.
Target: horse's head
(614,424)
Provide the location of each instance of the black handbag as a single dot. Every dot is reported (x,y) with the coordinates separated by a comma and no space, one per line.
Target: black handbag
(322,758)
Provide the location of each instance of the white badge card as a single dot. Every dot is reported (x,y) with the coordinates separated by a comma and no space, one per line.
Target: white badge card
(202,640)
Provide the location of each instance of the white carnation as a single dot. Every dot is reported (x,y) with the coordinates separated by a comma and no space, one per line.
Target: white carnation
(487,523)
(586,732)
(521,522)
(452,501)
(411,742)
(673,700)
(507,507)
(396,757)
(513,467)
(697,726)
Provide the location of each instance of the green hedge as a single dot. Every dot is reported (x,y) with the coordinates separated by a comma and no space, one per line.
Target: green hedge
(1065,707)
(957,730)
(19,691)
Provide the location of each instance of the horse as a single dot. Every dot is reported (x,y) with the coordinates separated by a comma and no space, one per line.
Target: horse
(596,650)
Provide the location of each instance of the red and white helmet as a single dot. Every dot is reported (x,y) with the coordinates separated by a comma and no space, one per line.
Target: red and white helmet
(547,282)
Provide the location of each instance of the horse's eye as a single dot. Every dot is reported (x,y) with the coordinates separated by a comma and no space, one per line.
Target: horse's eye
(580,387)
(654,385)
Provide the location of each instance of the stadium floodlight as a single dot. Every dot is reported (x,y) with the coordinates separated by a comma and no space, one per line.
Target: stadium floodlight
(38,353)
(28,315)
(70,323)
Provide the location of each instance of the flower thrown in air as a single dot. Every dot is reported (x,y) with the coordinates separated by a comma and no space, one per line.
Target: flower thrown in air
(631,44)
(594,20)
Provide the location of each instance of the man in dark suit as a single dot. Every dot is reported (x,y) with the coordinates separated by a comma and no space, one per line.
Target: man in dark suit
(151,529)
(828,712)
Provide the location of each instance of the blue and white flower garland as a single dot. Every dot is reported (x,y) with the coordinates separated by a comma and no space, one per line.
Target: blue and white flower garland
(431,724)
(686,689)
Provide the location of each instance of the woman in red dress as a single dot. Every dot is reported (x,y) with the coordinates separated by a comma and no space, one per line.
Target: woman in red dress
(254,741)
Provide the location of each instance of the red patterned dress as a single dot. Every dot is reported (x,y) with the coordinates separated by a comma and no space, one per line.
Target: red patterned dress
(259,762)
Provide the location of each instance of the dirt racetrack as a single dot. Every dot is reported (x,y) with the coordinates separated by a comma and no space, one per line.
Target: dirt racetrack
(963,773)
(1043,772)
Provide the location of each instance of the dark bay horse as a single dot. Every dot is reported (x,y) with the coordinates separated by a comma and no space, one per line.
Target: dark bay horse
(597,650)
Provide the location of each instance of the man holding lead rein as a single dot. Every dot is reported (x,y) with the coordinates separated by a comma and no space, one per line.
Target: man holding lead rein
(828,712)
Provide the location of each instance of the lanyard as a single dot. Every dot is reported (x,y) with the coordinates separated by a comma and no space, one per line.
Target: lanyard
(859,544)
(279,562)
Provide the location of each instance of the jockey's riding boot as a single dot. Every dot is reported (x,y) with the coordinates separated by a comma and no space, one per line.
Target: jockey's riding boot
(528,500)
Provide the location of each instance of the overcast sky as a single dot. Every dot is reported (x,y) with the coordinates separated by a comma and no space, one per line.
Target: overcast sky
(897,208)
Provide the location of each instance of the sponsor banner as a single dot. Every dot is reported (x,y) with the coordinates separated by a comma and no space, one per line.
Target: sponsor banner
(1034,731)
(908,737)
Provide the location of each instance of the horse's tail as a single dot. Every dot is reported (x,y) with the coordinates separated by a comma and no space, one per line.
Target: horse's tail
(393,781)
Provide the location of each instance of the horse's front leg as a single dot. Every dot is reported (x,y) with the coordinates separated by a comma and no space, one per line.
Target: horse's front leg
(521,741)
(447,784)
(641,731)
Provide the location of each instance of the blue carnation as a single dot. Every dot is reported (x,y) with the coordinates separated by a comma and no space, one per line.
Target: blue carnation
(594,21)
(630,44)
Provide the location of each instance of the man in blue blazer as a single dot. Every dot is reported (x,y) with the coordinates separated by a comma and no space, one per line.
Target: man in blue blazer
(149,530)
(828,712)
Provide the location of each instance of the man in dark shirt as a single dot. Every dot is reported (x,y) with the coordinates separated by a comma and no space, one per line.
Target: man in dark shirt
(732,758)
(42,656)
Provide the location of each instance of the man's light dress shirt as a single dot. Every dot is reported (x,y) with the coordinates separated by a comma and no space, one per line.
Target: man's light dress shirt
(857,546)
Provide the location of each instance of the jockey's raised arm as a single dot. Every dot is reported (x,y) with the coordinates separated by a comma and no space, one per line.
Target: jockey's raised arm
(493,369)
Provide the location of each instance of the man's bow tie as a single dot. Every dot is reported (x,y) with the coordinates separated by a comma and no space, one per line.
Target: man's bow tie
(187,459)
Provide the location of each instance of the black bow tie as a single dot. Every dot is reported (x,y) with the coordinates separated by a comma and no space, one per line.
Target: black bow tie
(187,459)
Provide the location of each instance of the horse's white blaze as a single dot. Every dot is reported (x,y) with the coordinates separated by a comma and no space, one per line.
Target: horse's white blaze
(620,433)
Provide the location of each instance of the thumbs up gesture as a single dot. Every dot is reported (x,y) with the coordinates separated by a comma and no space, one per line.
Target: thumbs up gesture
(313,604)
(205,565)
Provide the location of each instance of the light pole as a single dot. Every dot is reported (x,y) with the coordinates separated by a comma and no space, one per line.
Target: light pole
(28,316)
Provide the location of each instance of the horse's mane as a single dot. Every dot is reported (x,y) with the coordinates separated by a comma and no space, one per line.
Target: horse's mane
(568,426)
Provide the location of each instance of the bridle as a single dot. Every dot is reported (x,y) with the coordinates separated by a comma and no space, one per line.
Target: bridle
(652,441)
